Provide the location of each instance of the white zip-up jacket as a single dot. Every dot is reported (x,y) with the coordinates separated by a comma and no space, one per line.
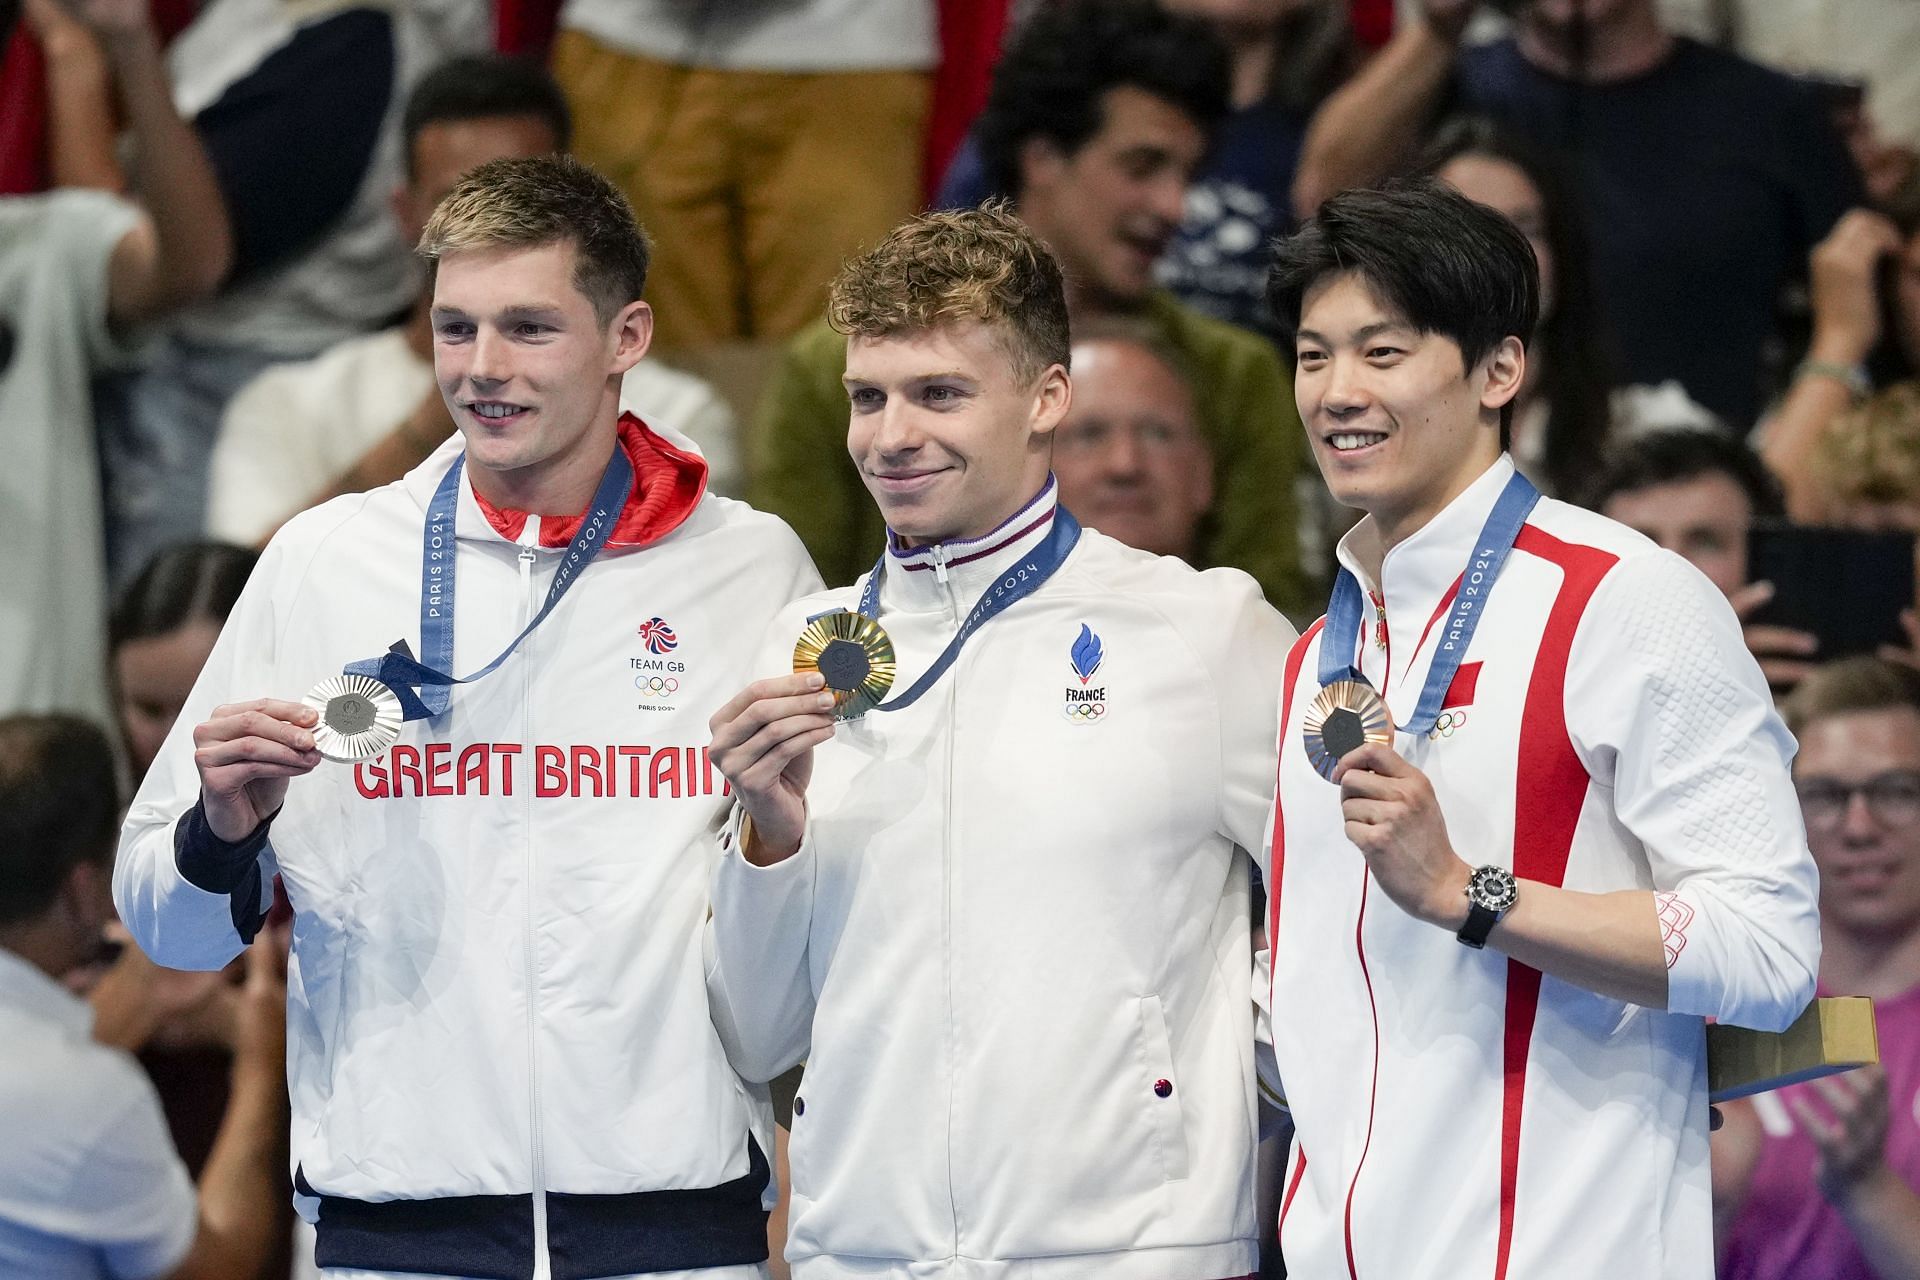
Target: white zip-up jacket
(1458,1115)
(1014,946)
(500,1056)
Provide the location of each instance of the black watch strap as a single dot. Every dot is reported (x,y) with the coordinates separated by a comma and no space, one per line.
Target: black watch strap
(1491,893)
(1480,922)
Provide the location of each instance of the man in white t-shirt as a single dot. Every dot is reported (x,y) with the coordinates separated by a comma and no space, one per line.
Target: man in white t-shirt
(76,268)
(90,1185)
(762,142)
(368,410)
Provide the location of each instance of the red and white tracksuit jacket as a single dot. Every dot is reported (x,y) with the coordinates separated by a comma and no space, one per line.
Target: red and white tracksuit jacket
(1459,1116)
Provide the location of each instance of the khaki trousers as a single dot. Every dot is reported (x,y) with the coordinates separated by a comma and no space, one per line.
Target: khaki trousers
(754,185)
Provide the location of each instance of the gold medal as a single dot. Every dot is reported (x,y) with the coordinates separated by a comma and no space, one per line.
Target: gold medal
(854,655)
(1344,715)
(359,718)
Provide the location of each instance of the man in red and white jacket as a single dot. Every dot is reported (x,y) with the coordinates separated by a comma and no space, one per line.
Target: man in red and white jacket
(500,1053)
(1499,927)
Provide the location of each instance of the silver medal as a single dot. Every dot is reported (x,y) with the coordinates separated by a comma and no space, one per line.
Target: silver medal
(359,718)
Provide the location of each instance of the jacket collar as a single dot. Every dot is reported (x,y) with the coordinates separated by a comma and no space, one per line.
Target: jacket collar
(668,483)
(957,573)
(1420,573)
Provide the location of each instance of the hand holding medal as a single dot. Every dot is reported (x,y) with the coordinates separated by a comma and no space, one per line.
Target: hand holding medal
(362,710)
(245,752)
(763,742)
(763,739)
(1390,810)
(1388,806)
(843,667)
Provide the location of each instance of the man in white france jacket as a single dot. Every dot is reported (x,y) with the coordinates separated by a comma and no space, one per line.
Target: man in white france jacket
(1499,925)
(501,1059)
(1005,922)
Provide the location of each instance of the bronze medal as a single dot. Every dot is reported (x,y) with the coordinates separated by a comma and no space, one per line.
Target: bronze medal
(1344,716)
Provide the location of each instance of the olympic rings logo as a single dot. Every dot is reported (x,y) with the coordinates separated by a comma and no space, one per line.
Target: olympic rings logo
(1448,723)
(1084,711)
(658,686)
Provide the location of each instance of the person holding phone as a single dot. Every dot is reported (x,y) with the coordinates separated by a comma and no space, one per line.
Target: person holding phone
(1706,496)
(1699,493)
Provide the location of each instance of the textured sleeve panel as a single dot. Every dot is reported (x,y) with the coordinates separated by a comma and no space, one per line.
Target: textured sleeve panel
(1668,708)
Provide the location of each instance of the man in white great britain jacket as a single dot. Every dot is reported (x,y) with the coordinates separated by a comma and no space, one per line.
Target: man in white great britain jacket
(501,1058)
(1005,922)
(1498,928)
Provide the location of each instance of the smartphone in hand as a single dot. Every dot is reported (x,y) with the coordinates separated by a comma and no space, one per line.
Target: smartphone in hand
(1845,586)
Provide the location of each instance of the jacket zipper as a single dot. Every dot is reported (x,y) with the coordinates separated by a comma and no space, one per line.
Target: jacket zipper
(542,1266)
(940,558)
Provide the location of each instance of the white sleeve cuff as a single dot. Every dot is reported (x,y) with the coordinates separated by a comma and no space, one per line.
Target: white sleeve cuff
(1750,963)
(788,867)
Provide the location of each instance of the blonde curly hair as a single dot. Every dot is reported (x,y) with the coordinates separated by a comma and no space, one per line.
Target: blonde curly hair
(1872,453)
(981,265)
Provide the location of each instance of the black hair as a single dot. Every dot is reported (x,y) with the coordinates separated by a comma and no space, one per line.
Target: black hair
(1053,77)
(1577,372)
(484,86)
(184,583)
(59,808)
(1674,455)
(1446,265)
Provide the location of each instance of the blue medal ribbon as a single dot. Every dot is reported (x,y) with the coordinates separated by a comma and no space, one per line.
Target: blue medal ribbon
(1345,609)
(424,686)
(1014,584)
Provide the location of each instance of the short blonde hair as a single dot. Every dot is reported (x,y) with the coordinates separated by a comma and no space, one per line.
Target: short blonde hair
(982,265)
(541,200)
(1872,453)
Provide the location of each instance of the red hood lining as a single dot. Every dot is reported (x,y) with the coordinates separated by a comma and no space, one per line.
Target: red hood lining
(667,485)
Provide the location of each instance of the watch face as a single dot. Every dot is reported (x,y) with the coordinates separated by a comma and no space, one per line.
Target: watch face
(1493,888)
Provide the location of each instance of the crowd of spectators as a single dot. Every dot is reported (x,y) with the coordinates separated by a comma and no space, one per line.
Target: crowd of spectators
(210,320)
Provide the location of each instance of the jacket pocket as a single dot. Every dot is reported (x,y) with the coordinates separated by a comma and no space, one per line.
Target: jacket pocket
(1160,1089)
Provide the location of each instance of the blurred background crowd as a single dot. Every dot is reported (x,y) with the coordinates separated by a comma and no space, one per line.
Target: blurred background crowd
(210,320)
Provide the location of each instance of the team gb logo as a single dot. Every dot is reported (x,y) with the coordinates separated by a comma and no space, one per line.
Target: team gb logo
(658,636)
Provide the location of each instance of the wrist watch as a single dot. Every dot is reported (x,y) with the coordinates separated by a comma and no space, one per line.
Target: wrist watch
(1491,893)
